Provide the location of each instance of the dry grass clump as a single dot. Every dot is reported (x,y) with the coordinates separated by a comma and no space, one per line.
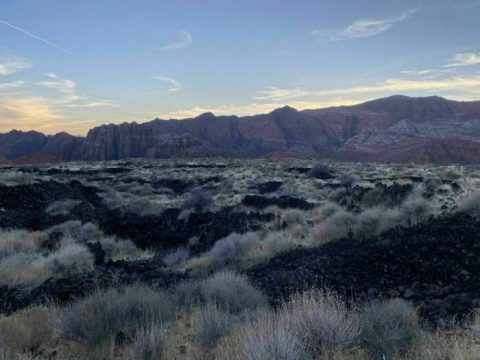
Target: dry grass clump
(232,247)
(116,249)
(456,344)
(107,314)
(293,217)
(23,269)
(197,199)
(274,243)
(14,178)
(321,321)
(14,242)
(70,259)
(265,338)
(389,328)
(308,327)
(471,204)
(29,258)
(318,325)
(349,179)
(63,207)
(28,331)
(78,231)
(27,265)
(337,226)
(214,324)
(149,343)
(176,257)
(243,250)
(228,290)
(320,171)
(332,222)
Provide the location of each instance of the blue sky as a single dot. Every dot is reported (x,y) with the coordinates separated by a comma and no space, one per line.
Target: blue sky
(72,65)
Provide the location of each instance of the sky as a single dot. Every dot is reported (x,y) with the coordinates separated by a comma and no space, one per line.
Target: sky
(73,65)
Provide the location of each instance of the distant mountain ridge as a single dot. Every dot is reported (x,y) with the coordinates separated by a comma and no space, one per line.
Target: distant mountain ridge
(393,129)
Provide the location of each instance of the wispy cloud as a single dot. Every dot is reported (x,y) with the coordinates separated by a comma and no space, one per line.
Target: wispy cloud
(11,64)
(464,59)
(36,37)
(363,28)
(31,110)
(63,85)
(69,97)
(177,40)
(44,105)
(387,87)
(274,93)
(12,85)
(173,84)
(95,104)
(270,98)
(426,74)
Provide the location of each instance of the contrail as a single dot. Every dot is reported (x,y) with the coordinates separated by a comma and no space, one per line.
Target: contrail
(41,39)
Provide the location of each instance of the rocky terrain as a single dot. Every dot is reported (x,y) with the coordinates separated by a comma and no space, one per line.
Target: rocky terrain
(369,233)
(397,129)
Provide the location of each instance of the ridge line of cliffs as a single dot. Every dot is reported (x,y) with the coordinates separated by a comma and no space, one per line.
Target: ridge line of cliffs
(395,129)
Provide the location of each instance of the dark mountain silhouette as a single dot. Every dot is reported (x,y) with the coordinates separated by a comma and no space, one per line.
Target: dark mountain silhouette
(394,129)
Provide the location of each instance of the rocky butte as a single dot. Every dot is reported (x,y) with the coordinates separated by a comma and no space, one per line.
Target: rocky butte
(397,129)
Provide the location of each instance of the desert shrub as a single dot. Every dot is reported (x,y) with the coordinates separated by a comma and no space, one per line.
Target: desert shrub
(141,190)
(388,328)
(368,222)
(197,199)
(232,246)
(325,211)
(187,294)
(349,179)
(321,321)
(451,174)
(109,313)
(19,241)
(62,207)
(28,330)
(70,259)
(335,227)
(77,230)
(214,324)
(149,343)
(193,241)
(320,171)
(431,183)
(293,217)
(23,269)
(414,210)
(116,248)
(176,257)
(230,291)
(14,178)
(276,242)
(373,197)
(89,231)
(337,195)
(471,204)
(448,345)
(266,338)
(112,199)
(376,220)
(143,207)
(298,231)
